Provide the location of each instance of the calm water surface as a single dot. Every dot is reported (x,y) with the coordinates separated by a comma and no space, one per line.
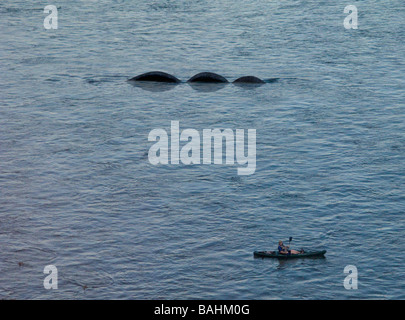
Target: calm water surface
(77,189)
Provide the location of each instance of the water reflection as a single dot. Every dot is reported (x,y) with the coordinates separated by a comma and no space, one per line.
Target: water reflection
(153,86)
(248,86)
(207,87)
(285,263)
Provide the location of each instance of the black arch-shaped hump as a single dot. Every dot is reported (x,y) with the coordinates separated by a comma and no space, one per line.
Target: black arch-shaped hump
(208,77)
(156,76)
(248,79)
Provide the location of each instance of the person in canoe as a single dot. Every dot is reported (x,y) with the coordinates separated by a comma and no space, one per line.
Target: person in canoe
(282,249)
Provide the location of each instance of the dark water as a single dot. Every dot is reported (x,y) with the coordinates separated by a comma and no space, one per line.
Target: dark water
(77,189)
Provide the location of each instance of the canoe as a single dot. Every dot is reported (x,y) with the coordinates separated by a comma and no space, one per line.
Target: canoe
(275,254)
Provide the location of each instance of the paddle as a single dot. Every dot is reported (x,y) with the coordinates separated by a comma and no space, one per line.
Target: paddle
(289,243)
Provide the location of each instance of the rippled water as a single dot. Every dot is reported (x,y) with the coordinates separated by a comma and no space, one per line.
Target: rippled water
(77,189)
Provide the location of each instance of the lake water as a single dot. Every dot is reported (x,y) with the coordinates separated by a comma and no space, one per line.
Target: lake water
(77,190)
